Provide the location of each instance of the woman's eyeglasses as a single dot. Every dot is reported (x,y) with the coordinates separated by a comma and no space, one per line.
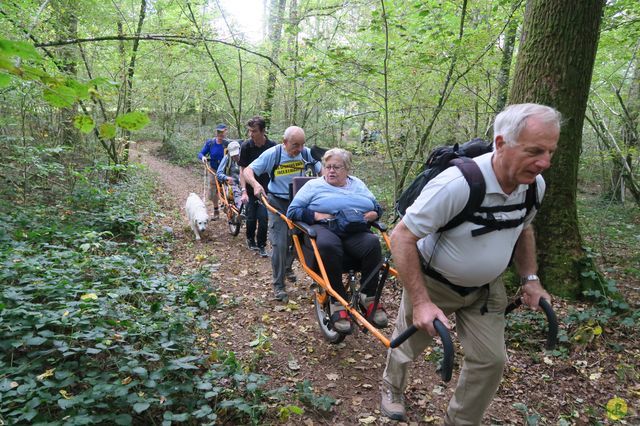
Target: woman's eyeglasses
(333,167)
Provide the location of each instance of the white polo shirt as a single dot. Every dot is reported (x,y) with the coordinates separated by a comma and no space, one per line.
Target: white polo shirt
(461,258)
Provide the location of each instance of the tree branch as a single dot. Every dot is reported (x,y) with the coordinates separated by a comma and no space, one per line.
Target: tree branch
(167,38)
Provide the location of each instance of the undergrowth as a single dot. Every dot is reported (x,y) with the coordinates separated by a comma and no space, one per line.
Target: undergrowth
(93,329)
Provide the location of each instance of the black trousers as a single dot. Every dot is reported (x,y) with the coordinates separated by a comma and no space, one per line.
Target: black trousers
(256,218)
(363,247)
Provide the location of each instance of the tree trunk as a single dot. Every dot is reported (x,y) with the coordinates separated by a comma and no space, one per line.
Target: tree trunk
(630,121)
(275,33)
(554,67)
(294,52)
(507,59)
(129,78)
(66,24)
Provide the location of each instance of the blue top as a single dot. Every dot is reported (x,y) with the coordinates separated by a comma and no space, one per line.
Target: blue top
(234,170)
(319,196)
(214,150)
(288,168)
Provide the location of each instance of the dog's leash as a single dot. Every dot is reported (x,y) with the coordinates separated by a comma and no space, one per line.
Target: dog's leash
(204,184)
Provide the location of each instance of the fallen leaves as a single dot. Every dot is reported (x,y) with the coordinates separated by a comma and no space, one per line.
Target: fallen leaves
(367,420)
(293,365)
(332,376)
(46,374)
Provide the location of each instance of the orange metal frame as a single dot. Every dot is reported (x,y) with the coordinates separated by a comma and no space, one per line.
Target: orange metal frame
(322,279)
(223,194)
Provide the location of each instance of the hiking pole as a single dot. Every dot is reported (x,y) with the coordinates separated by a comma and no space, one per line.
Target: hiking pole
(552,319)
(446,367)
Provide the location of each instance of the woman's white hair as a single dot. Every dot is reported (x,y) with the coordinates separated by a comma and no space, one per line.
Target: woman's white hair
(343,154)
(513,119)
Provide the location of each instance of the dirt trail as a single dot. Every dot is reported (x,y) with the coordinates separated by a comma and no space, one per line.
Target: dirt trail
(351,371)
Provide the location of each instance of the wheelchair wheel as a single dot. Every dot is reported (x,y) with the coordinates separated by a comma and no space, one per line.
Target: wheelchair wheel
(322,314)
(235,224)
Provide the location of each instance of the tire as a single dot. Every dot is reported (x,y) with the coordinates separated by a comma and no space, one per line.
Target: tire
(322,316)
(235,224)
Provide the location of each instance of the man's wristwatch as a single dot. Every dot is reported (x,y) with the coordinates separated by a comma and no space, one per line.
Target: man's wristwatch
(527,278)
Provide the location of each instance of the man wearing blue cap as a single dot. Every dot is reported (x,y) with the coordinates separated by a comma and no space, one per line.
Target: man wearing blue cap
(214,150)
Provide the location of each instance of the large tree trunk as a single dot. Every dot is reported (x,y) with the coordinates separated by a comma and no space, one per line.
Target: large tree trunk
(554,67)
(275,34)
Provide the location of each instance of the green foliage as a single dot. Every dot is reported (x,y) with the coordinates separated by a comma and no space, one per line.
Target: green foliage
(94,330)
(84,123)
(135,120)
(182,149)
(306,395)
(531,417)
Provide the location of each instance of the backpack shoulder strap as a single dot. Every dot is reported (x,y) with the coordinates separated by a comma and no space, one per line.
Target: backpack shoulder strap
(477,190)
(309,162)
(272,175)
(531,198)
(227,169)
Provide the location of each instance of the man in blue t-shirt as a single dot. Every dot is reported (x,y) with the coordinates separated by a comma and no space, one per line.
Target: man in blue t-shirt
(282,162)
(213,149)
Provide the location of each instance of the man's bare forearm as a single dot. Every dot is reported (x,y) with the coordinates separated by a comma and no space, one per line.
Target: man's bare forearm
(407,261)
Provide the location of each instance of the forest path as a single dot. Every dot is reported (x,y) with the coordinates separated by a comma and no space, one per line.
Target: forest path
(291,349)
(349,372)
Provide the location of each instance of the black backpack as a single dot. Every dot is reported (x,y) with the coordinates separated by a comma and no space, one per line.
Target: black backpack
(442,158)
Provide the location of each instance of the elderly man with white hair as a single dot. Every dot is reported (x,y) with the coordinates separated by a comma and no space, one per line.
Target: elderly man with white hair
(282,162)
(457,272)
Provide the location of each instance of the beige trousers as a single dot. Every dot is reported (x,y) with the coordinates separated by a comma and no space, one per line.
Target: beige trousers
(213,190)
(482,339)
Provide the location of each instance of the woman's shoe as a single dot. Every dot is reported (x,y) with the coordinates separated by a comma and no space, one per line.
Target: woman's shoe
(340,319)
(379,318)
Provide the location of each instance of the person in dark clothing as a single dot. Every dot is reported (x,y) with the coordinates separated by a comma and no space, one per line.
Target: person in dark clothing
(257,218)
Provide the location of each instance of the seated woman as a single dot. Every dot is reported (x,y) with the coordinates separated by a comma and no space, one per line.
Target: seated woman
(317,202)
(229,172)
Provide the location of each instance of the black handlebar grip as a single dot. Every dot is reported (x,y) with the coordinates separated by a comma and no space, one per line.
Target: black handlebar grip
(513,305)
(552,334)
(447,345)
(403,336)
(552,320)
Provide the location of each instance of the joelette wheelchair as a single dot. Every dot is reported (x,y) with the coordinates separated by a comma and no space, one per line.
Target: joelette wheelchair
(303,238)
(235,215)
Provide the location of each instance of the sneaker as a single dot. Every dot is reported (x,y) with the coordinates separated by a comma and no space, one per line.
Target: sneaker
(379,319)
(251,245)
(340,318)
(262,251)
(290,276)
(392,403)
(281,295)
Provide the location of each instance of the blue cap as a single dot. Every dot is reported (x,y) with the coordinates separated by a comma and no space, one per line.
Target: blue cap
(221,127)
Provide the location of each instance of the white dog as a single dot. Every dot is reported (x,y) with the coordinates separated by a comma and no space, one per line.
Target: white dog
(197,214)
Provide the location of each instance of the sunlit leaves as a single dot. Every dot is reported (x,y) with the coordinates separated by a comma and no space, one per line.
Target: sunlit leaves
(5,80)
(84,123)
(21,49)
(59,96)
(135,120)
(107,131)
(616,408)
